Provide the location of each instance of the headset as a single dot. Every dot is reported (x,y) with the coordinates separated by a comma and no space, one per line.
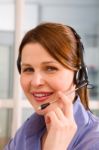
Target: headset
(81,75)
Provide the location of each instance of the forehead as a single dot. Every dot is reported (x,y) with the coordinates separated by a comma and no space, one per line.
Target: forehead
(35,52)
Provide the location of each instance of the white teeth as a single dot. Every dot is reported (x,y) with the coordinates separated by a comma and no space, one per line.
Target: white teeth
(40,95)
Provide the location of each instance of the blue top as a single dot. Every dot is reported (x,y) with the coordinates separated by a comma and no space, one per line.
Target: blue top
(86,138)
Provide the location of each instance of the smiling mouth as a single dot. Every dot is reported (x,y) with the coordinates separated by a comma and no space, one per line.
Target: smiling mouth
(41,96)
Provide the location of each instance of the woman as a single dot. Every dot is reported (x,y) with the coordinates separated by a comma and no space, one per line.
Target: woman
(54,79)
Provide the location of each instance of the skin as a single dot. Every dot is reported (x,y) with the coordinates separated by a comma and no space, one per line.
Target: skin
(41,72)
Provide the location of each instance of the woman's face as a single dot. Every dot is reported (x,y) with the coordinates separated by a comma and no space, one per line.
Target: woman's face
(42,76)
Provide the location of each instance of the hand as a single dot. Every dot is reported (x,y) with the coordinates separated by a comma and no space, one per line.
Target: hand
(61,126)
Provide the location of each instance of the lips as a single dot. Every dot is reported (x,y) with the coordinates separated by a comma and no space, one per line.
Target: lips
(41,96)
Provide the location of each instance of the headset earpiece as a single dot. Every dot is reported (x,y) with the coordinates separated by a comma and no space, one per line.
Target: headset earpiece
(81,75)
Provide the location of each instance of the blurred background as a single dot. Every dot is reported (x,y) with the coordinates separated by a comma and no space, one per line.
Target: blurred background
(16,18)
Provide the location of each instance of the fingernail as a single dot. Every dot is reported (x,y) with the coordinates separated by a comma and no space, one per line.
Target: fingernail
(47,120)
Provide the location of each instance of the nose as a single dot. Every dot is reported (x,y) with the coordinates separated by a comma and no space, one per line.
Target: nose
(37,80)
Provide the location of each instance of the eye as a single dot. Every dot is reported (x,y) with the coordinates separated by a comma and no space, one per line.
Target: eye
(51,69)
(28,70)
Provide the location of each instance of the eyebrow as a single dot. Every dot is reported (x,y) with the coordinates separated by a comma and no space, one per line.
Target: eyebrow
(46,62)
(49,62)
(24,64)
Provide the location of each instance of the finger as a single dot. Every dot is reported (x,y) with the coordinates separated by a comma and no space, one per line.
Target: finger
(67,105)
(51,118)
(60,114)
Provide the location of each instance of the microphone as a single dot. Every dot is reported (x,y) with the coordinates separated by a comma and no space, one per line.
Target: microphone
(43,106)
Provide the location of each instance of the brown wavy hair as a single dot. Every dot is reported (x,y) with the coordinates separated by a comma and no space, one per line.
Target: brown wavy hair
(63,43)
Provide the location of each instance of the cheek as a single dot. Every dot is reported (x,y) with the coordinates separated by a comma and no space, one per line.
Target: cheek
(62,83)
(59,85)
(24,83)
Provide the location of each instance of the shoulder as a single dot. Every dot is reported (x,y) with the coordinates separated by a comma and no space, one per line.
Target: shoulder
(89,139)
(19,137)
(92,144)
(92,128)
